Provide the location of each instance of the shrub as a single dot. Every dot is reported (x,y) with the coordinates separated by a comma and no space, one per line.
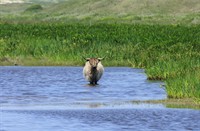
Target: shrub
(34,8)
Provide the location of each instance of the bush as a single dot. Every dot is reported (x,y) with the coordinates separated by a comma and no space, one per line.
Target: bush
(34,8)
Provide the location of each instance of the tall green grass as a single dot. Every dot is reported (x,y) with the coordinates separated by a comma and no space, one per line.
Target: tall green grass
(167,52)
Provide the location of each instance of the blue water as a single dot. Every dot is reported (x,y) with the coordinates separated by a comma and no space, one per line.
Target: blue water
(60,99)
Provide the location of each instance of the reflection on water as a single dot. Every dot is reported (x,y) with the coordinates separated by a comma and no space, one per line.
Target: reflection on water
(58,98)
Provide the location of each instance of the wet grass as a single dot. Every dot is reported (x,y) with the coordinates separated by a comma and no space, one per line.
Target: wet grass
(175,103)
(167,52)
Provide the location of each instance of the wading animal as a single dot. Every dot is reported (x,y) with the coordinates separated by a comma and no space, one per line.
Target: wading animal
(93,70)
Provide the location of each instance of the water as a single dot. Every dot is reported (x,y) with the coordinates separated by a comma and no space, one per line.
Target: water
(59,99)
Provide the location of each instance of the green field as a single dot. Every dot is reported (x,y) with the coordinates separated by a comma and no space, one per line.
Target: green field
(164,41)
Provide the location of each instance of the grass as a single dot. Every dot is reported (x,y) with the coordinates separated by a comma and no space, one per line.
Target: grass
(167,52)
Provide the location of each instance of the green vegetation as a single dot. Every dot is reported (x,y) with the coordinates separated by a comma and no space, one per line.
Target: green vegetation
(101,11)
(167,52)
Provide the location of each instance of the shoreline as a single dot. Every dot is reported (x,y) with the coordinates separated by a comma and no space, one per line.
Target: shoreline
(175,103)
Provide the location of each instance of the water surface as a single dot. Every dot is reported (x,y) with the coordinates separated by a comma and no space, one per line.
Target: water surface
(58,98)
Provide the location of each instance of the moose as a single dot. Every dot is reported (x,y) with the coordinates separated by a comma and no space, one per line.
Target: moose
(93,70)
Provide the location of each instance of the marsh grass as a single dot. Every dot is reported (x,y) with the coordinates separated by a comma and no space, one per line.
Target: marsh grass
(167,52)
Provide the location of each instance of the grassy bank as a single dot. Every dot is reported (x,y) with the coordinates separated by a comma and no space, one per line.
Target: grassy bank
(167,52)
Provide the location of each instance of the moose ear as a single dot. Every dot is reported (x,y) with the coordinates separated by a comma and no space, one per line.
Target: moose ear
(101,58)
